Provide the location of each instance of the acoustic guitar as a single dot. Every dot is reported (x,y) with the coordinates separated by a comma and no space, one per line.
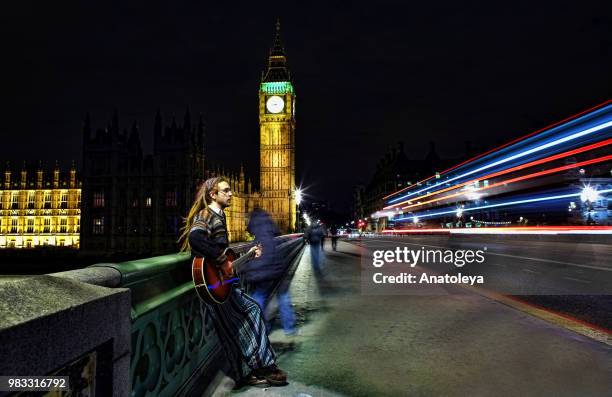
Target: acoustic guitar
(213,283)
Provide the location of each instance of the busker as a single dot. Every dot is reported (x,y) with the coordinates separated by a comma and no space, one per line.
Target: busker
(239,321)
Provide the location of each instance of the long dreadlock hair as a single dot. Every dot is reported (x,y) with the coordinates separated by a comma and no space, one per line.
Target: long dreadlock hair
(199,206)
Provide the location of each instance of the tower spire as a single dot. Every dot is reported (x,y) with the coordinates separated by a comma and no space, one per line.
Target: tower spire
(277,47)
(277,60)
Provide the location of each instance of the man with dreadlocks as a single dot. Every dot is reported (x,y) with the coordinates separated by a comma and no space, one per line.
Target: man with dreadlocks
(239,321)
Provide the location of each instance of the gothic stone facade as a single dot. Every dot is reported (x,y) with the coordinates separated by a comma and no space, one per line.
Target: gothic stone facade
(133,203)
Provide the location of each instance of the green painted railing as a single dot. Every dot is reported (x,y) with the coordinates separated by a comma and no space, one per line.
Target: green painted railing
(172,339)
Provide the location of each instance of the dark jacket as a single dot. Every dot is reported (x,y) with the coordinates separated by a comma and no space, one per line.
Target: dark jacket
(334,231)
(269,266)
(208,236)
(314,234)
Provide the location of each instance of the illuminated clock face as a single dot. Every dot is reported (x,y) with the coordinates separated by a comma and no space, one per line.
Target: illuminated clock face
(275,104)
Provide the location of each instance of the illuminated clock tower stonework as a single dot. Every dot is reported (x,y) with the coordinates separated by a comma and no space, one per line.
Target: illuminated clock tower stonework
(277,139)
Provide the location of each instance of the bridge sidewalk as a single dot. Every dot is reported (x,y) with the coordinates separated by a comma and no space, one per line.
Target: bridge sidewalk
(454,343)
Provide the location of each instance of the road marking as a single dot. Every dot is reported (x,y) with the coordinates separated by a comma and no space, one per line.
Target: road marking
(606,269)
(577,279)
(562,320)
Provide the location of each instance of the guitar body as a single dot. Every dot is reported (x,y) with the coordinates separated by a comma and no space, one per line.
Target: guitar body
(213,283)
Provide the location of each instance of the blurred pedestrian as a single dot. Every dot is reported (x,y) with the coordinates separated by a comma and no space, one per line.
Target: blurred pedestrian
(267,272)
(334,237)
(314,236)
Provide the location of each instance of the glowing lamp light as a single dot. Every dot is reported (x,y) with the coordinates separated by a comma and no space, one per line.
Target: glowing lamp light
(298,196)
(471,194)
(415,219)
(459,212)
(588,194)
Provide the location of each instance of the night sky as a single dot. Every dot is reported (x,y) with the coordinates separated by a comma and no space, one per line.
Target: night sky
(367,75)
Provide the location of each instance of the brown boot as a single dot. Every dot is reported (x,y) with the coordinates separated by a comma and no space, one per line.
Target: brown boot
(251,380)
(273,374)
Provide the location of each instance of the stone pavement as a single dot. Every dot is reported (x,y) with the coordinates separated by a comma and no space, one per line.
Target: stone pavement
(453,343)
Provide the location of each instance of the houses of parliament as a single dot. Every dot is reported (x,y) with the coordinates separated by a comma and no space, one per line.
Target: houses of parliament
(126,202)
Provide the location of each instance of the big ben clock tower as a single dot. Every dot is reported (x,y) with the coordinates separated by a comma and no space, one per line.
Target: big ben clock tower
(277,138)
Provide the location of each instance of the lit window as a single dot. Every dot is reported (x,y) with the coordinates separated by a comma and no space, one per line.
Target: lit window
(47,225)
(47,200)
(64,201)
(171,198)
(30,227)
(14,223)
(15,201)
(63,225)
(148,202)
(98,225)
(31,197)
(98,200)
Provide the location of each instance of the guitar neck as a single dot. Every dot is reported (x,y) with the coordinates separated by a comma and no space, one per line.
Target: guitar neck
(244,258)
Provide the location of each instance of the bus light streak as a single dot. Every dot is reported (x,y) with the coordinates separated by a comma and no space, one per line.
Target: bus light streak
(568,119)
(509,230)
(509,203)
(516,168)
(520,178)
(516,156)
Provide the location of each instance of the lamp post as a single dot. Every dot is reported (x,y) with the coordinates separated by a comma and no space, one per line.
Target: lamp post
(298,201)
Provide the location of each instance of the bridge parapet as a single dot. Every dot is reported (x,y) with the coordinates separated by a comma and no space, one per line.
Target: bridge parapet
(159,341)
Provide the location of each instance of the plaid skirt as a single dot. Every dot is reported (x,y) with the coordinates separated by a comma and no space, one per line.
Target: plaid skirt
(240,326)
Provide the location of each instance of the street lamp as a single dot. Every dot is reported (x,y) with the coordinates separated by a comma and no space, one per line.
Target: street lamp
(298,201)
(298,196)
(588,196)
(459,214)
(306,218)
